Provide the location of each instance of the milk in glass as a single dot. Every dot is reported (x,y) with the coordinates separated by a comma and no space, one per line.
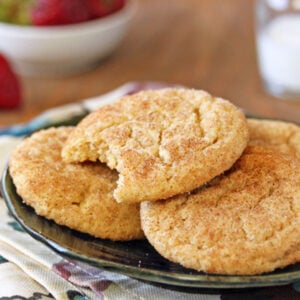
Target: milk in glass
(279,54)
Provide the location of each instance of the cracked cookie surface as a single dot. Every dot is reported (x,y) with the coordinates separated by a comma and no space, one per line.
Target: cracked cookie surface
(79,196)
(244,222)
(162,143)
(278,135)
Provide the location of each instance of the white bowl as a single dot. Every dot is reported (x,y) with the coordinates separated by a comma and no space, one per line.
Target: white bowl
(64,50)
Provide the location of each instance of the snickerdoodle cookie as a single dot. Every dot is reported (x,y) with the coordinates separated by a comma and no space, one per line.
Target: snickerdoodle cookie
(78,196)
(278,135)
(245,221)
(162,143)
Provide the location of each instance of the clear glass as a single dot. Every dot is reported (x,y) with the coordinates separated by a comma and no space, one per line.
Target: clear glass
(278,46)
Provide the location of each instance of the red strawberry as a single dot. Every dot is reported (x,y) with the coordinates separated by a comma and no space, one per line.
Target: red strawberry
(100,8)
(10,89)
(60,12)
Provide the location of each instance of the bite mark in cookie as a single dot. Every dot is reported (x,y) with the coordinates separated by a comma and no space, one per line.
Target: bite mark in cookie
(162,143)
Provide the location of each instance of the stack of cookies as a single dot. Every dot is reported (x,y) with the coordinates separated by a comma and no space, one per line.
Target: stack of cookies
(208,188)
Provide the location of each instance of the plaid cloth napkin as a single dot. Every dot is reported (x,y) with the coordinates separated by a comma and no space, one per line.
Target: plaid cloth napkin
(30,270)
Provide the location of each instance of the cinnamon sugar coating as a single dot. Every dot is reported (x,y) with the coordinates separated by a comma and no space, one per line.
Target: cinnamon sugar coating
(79,196)
(162,143)
(244,222)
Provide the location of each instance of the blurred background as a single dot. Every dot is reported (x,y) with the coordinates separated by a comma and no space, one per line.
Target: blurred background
(207,44)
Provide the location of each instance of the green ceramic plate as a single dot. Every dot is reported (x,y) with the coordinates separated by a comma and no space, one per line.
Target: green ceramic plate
(136,259)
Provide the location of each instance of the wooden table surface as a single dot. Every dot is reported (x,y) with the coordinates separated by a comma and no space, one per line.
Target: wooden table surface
(207,44)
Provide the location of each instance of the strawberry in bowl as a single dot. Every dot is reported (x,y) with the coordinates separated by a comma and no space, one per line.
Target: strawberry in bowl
(56,12)
(61,37)
(60,12)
